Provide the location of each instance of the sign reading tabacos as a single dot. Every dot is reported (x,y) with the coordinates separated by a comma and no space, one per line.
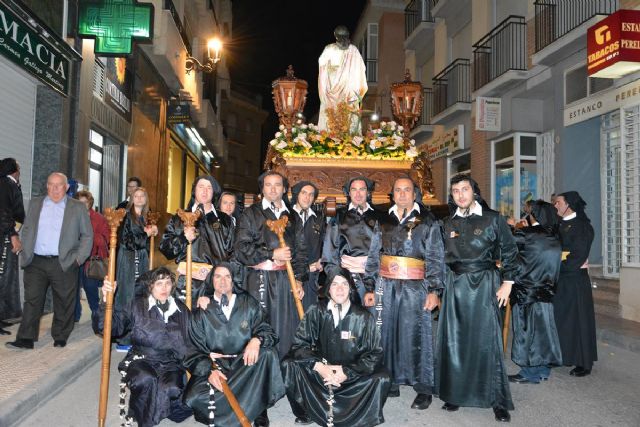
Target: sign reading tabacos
(613,45)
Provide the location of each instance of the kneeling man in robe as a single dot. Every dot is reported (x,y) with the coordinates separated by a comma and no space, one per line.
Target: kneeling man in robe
(333,373)
(234,332)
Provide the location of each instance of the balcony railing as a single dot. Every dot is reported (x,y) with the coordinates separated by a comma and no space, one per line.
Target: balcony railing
(501,50)
(372,70)
(427,106)
(555,18)
(417,11)
(451,86)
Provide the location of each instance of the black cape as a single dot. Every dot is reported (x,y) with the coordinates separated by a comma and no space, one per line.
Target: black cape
(256,387)
(535,338)
(407,333)
(255,244)
(314,230)
(573,302)
(12,207)
(355,345)
(470,369)
(133,258)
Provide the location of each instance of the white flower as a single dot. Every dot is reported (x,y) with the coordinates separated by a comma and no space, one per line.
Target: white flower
(400,128)
(393,126)
(278,134)
(383,124)
(377,131)
(412,142)
(281,145)
(273,142)
(357,140)
(281,127)
(304,126)
(412,152)
(372,144)
(302,135)
(284,131)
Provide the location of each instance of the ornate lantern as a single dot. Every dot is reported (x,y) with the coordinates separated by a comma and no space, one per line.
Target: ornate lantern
(406,102)
(289,97)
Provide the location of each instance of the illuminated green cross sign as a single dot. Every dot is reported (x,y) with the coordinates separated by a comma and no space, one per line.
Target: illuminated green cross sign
(114,24)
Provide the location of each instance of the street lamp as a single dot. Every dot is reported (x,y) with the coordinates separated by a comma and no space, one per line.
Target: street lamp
(214,47)
(406,102)
(289,97)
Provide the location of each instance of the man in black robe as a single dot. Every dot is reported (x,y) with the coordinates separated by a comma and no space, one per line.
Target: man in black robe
(333,373)
(573,302)
(406,266)
(10,245)
(469,364)
(233,331)
(258,249)
(303,196)
(348,237)
(535,346)
(211,238)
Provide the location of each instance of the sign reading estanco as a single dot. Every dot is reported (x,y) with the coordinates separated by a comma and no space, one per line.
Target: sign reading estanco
(31,51)
(613,45)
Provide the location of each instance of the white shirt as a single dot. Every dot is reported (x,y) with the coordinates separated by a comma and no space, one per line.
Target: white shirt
(227,310)
(394,210)
(298,209)
(195,207)
(267,205)
(173,307)
(569,217)
(337,315)
(476,209)
(352,206)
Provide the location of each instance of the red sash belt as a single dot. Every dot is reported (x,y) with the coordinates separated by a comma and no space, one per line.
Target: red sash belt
(402,268)
(269,265)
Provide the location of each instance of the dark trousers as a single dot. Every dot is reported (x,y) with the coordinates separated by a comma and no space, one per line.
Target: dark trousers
(90,287)
(38,276)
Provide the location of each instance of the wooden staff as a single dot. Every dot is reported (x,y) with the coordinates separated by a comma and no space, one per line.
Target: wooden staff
(505,327)
(152,219)
(278,227)
(114,217)
(188,220)
(233,401)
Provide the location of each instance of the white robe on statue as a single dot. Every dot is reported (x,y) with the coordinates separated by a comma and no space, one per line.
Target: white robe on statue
(342,77)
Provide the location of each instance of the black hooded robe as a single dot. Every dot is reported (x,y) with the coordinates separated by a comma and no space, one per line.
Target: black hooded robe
(573,302)
(256,387)
(355,345)
(469,364)
(254,244)
(13,212)
(132,260)
(407,333)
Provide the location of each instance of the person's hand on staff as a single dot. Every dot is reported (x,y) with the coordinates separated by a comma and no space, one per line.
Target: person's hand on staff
(503,294)
(203,302)
(432,302)
(282,255)
(215,379)
(190,234)
(107,286)
(315,266)
(151,230)
(299,290)
(251,352)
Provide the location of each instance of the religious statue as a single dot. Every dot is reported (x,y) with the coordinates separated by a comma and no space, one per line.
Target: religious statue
(342,83)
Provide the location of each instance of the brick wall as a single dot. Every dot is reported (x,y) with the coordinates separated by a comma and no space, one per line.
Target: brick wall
(480,160)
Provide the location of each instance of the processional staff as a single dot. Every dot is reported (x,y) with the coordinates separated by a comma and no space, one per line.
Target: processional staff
(152,219)
(278,227)
(114,218)
(188,220)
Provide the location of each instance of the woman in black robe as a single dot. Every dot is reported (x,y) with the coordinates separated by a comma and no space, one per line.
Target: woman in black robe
(333,373)
(235,330)
(211,238)
(535,346)
(573,302)
(154,369)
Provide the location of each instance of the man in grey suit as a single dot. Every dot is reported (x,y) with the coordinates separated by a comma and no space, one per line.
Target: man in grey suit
(56,239)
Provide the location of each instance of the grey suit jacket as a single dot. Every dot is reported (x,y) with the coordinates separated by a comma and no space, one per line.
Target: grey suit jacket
(76,236)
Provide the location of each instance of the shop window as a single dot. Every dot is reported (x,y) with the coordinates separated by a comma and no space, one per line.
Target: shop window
(456,164)
(630,180)
(174,184)
(610,158)
(514,173)
(578,84)
(190,176)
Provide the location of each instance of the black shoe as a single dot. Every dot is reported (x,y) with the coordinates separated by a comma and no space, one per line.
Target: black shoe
(422,401)
(517,378)
(20,343)
(394,392)
(501,414)
(303,420)
(262,420)
(60,343)
(449,407)
(579,371)
(4,332)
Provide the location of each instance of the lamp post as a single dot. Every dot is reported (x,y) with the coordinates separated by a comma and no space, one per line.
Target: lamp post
(406,102)
(214,48)
(289,97)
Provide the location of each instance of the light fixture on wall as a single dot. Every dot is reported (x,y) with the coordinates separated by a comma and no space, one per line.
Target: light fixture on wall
(214,49)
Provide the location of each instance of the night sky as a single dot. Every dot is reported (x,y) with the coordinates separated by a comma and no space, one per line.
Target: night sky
(269,35)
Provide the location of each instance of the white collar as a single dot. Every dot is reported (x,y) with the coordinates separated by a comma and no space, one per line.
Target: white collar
(477,209)
(352,206)
(12,178)
(570,216)
(299,210)
(173,307)
(227,310)
(334,309)
(394,210)
(195,207)
(267,205)
(535,223)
